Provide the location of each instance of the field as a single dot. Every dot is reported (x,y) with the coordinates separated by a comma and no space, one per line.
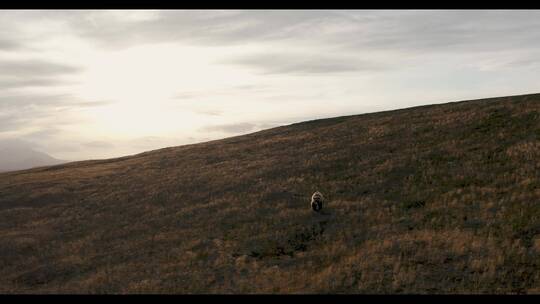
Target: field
(432,199)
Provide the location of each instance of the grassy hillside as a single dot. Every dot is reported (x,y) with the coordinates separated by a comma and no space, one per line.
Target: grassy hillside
(431,199)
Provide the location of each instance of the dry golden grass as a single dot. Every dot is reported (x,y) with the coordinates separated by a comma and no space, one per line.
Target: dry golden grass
(432,199)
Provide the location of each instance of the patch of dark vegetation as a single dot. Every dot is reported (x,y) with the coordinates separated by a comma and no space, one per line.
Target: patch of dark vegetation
(413,204)
(298,241)
(497,119)
(527,235)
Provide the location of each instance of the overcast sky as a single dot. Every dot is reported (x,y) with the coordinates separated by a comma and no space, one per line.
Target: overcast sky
(98,84)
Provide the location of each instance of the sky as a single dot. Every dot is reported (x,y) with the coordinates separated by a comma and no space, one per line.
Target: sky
(84,84)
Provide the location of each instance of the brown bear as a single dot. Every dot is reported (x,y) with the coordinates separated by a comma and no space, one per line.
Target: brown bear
(317,201)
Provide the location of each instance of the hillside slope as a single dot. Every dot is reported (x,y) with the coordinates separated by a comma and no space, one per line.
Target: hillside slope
(431,199)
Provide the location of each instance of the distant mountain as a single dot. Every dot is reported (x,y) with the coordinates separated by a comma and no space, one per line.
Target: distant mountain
(21,156)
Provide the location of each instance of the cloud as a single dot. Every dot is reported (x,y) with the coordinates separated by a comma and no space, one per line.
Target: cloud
(19,112)
(209,112)
(199,27)
(352,29)
(43,134)
(98,144)
(24,82)
(285,63)
(230,128)
(20,101)
(18,74)
(153,142)
(31,110)
(8,45)
(36,68)
(337,32)
(252,88)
